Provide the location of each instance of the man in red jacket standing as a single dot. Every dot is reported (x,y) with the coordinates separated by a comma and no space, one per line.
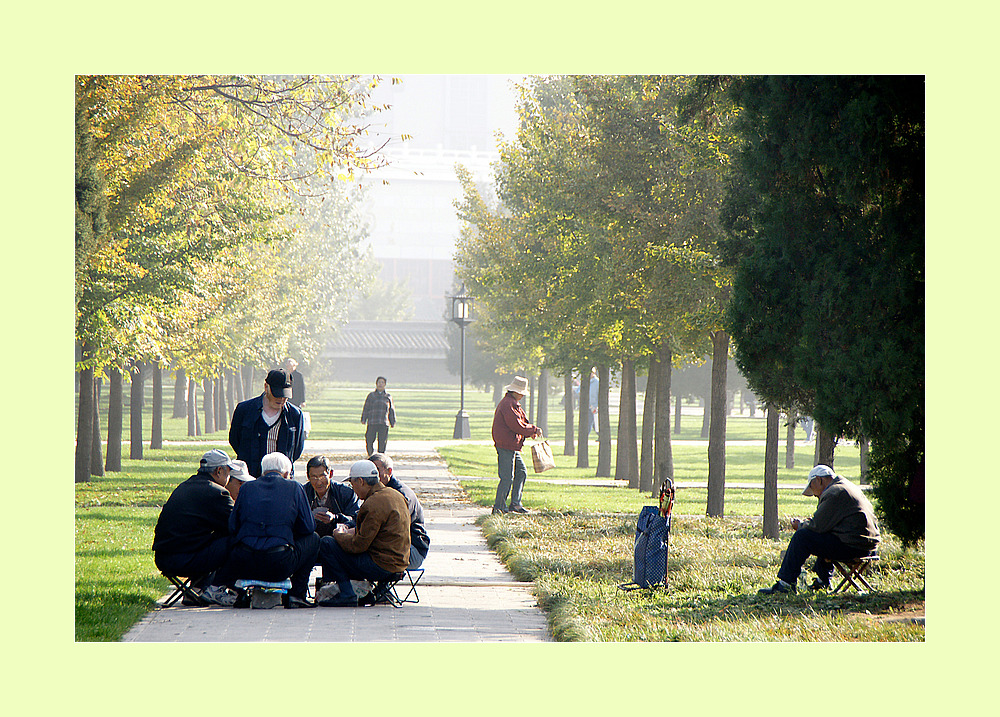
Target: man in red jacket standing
(510,428)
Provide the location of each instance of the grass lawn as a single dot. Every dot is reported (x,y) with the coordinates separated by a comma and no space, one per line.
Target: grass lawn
(577,545)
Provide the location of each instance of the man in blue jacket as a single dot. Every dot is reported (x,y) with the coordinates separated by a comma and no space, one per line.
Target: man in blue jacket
(420,541)
(272,530)
(268,423)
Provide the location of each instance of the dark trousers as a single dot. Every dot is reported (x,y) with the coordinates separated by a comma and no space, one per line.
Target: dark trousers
(825,546)
(512,474)
(274,564)
(343,567)
(379,431)
(200,564)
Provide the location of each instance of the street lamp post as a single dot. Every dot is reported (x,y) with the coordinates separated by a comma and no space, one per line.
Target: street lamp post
(461,311)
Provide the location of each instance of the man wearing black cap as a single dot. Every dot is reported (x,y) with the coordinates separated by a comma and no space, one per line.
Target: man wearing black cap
(191,536)
(842,528)
(268,423)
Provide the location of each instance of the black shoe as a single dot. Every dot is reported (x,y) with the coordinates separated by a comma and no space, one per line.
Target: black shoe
(242,599)
(292,602)
(192,601)
(778,587)
(340,601)
(517,509)
(499,511)
(818,584)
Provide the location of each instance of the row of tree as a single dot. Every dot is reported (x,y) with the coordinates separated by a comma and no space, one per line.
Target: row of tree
(643,220)
(216,230)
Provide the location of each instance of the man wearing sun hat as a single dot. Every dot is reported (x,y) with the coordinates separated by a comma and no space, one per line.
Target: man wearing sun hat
(843,527)
(192,532)
(268,423)
(510,428)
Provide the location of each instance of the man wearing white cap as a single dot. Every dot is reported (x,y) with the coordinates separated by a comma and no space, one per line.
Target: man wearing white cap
(379,544)
(238,475)
(192,532)
(842,528)
(510,428)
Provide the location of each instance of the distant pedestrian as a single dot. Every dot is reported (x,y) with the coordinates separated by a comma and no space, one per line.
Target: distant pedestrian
(380,415)
(268,423)
(510,428)
(298,383)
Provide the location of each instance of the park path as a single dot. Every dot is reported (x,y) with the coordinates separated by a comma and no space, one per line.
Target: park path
(466,595)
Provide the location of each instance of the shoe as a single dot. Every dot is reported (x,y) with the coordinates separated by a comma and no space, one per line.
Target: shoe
(517,509)
(193,601)
(778,587)
(218,595)
(340,601)
(242,600)
(499,511)
(292,602)
(818,584)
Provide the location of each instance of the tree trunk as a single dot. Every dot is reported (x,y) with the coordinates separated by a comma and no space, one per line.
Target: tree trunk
(230,392)
(825,445)
(113,459)
(156,422)
(771,474)
(238,380)
(793,418)
(208,404)
(663,458)
(648,425)
(135,412)
(604,422)
(717,428)
(85,425)
(863,446)
(543,401)
(583,429)
(248,389)
(568,422)
(220,402)
(180,394)
(531,399)
(677,415)
(192,409)
(627,455)
(706,413)
(96,455)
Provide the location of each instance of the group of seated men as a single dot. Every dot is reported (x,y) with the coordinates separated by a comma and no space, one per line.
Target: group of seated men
(222,525)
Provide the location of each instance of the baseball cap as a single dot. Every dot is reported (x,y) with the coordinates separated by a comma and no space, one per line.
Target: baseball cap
(820,470)
(238,470)
(363,469)
(216,459)
(280,383)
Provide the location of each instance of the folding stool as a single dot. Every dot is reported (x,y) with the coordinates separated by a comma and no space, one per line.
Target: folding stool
(385,591)
(182,588)
(261,590)
(854,569)
(413,586)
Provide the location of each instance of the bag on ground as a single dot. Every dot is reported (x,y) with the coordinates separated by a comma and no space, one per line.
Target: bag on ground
(541,456)
(650,547)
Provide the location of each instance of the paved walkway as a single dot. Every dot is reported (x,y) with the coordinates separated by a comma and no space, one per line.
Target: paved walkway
(466,595)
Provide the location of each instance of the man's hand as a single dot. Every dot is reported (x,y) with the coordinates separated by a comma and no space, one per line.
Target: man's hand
(323,515)
(344,529)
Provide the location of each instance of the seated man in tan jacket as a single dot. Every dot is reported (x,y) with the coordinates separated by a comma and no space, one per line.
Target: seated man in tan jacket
(379,544)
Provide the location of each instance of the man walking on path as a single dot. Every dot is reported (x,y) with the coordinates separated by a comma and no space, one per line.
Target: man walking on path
(510,428)
(380,415)
(298,396)
(843,527)
(268,423)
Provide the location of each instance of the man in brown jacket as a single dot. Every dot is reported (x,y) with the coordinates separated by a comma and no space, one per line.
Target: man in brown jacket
(379,544)
(843,527)
(510,428)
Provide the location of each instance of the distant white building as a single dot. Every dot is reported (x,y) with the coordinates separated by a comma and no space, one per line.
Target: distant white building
(450,119)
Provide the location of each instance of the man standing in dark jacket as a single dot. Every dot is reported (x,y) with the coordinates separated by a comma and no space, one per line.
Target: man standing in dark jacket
(272,528)
(510,428)
(268,423)
(192,533)
(842,528)
(379,413)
